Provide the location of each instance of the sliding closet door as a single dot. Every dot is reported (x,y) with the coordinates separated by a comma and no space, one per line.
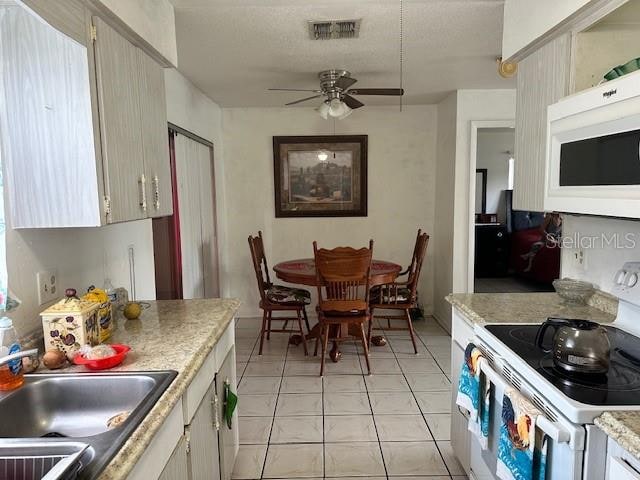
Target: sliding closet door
(194,178)
(207,215)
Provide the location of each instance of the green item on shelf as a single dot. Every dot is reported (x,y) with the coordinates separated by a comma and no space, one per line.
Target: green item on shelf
(230,403)
(620,70)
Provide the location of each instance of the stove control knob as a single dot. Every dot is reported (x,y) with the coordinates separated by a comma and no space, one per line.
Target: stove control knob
(619,278)
(632,279)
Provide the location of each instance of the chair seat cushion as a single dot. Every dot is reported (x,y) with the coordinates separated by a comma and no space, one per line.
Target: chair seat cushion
(390,295)
(288,296)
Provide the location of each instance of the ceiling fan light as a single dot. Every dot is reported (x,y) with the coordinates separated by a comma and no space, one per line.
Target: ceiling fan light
(347,111)
(337,108)
(323,110)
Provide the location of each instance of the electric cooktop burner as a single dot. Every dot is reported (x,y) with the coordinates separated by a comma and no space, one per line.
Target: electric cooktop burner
(620,386)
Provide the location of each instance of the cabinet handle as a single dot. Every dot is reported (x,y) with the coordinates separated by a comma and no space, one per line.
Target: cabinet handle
(216,416)
(156,192)
(143,194)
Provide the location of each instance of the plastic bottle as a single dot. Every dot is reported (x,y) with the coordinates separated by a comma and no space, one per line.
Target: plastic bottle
(110,291)
(11,374)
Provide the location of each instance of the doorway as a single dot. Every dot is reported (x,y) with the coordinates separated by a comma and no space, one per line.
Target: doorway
(185,244)
(508,251)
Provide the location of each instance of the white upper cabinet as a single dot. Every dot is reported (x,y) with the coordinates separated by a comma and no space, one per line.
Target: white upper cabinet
(82,122)
(120,123)
(155,137)
(543,79)
(46,127)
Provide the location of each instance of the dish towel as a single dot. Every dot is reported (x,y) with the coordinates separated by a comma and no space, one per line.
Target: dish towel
(522,449)
(474,393)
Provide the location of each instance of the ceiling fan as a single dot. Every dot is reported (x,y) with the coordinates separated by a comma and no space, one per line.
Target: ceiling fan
(335,87)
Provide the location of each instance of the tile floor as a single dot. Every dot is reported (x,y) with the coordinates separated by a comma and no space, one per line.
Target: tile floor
(393,424)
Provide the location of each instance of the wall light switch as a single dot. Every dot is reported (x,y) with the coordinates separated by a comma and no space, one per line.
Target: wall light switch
(48,286)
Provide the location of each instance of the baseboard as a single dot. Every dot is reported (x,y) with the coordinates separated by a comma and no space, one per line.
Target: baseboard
(446,327)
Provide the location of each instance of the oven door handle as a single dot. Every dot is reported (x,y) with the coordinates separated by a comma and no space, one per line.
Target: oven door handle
(551,429)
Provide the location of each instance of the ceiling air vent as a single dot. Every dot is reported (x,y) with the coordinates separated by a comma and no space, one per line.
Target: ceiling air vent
(332,29)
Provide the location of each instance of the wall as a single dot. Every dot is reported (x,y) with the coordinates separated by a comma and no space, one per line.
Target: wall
(401,168)
(153,20)
(599,50)
(82,257)
(445,175)
(602,261)
(492,145)
(453,184)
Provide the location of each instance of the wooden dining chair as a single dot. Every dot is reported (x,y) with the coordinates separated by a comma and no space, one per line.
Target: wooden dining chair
(400,296)
(342,277)
(277,298)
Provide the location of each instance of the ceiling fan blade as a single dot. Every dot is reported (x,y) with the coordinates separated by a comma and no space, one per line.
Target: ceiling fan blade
(377,91)
(293,90)
(304,100)
(344,82)
(352,102)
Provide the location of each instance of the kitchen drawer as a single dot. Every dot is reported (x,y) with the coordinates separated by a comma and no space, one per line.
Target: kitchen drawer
(462,329)
(227,340)
(619,469)
(621,465)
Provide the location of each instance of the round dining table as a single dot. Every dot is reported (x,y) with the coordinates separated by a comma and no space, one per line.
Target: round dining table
(302,271)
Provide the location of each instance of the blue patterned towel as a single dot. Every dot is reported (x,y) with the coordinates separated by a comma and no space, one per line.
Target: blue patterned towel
(474,394)
(522,449)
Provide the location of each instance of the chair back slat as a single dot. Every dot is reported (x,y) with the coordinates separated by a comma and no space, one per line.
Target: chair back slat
(256,246)
(419,252)
(343,273)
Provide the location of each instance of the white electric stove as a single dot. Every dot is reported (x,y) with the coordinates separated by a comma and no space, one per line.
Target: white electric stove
(570,403)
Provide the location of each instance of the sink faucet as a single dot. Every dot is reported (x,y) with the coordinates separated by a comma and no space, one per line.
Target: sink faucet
(17,355)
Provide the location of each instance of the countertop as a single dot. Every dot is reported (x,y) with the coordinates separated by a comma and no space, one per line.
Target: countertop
(624,428)
(483,308)
(169,335)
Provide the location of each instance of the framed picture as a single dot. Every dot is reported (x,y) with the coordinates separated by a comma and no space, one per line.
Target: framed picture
(320,176)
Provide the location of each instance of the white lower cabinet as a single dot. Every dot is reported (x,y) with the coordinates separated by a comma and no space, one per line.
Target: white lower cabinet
(203,445)
(202,455)
(228,436)
(176,467)
(462,334)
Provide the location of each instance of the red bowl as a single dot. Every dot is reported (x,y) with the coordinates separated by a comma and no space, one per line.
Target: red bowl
(106,362)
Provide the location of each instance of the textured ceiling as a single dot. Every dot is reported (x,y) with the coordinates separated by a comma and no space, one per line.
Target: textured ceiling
(234,50)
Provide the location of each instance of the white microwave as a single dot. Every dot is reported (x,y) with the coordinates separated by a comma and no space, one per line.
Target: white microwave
(593,151)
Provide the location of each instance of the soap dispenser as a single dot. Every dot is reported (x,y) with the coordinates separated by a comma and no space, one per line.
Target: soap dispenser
(11,375)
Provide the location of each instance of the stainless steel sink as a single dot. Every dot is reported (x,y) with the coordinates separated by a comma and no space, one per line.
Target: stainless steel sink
(41,460)
(70,405)
(58,408)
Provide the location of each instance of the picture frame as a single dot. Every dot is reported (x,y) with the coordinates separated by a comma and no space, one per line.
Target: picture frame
(320,175)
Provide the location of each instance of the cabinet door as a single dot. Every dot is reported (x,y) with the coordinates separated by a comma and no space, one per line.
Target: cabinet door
(46,130)
(176,467)
(121,137)
(543,78)
(155,139)
(228,437)
(460,436)
(204,463)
